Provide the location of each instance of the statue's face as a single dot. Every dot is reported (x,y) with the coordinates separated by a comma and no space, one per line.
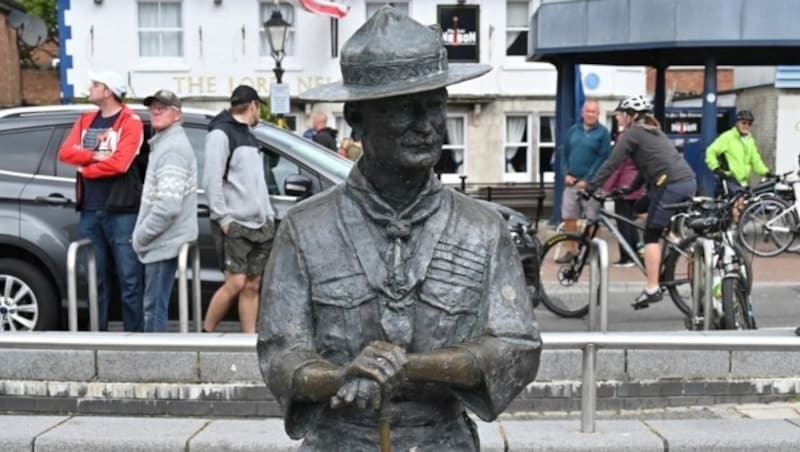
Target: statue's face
(405,132)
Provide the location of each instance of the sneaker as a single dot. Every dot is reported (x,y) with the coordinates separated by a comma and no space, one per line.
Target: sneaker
(566,258)
(623,264)
(644,299)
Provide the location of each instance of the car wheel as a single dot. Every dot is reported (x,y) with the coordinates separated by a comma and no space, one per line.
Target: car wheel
(27,299)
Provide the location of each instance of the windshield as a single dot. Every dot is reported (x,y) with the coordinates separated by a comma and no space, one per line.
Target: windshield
(312,154)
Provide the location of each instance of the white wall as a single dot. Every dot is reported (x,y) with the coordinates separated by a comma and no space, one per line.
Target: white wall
(788,133)
(105,37)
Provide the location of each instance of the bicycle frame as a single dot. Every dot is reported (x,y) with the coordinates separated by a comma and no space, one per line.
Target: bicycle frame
(794,208)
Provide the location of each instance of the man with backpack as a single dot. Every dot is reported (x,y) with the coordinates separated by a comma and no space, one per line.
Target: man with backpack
(242,219)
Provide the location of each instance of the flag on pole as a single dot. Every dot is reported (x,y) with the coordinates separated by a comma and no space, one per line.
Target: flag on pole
(324,7)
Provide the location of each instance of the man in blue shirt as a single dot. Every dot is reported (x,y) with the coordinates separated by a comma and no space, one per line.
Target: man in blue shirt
(586,147)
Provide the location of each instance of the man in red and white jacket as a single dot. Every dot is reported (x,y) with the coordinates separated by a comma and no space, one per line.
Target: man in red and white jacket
(104,147)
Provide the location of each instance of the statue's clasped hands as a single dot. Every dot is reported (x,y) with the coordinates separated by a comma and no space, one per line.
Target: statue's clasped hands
(378,368)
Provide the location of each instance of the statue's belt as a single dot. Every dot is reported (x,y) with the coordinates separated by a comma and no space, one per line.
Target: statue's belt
(405,413)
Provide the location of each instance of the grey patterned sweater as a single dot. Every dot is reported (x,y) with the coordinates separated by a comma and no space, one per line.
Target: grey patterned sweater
(168,213)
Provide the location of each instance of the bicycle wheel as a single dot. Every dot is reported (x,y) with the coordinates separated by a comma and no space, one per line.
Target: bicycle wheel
(677,271)
(565,286)
(767,227)
(735,305)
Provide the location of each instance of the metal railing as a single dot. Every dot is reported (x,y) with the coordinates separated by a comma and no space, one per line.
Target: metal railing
(72,284)
(702,283)
(598,284)
(183,287)
(779,339)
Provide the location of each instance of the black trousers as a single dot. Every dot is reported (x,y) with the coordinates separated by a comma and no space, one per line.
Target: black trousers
(624,208)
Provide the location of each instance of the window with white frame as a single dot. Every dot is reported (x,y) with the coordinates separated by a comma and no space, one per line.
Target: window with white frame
(265,12)
(374,6)
(160,28)
(517,27)
(453,150)
(517,147)
(546,146)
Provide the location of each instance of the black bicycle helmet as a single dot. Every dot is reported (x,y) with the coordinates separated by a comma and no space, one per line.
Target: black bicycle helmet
(745,115)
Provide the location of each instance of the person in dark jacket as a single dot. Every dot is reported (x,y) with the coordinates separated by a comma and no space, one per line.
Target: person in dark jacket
(323,134)
(103,145)
(242,219)
(669,179)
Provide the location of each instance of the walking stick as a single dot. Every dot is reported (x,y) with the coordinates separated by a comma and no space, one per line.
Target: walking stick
(385,421)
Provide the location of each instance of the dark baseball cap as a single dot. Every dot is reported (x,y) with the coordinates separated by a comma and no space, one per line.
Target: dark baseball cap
(244,94)
(165,97)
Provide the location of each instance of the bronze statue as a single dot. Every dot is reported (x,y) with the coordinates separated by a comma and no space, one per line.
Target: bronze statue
(391,290)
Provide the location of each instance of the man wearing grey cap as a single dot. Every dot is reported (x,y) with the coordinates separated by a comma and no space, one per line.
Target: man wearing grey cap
(168,214)
(391,290)
(104,147)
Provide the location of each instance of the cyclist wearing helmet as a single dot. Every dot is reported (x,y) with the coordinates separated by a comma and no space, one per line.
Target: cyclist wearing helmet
(668,176)
(734,154)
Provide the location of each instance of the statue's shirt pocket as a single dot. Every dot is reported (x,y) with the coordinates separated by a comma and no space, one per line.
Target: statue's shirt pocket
(343,309)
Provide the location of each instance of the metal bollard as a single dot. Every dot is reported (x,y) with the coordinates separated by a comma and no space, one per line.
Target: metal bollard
(598,284)
(72,284)
(183,286)
(702,271)
(588,389)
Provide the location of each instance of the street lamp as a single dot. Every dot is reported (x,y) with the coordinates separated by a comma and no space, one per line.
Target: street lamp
(277,30)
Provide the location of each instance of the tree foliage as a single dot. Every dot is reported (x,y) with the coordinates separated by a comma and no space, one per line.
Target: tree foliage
(47,10)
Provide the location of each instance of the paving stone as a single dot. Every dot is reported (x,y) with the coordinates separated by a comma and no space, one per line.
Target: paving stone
(677,364)
(222,367)
(120,434)
(18,432)
(730,435)
(113,365)
(59,365)
(565,436)
(762,364)
(567,365)
(768,412)
(243,436)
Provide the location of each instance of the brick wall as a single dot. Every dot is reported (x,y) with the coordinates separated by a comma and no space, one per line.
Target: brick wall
(9,62)
(689,81)
(40,87)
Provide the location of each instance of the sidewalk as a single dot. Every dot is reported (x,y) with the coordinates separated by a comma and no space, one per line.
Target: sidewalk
(774,427)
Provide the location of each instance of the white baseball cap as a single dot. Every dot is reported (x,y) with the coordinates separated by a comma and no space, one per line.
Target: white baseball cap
(112,80)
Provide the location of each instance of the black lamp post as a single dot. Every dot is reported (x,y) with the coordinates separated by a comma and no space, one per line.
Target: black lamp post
(277,30)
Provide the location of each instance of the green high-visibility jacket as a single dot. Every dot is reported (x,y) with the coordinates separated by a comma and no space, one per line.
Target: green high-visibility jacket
(740,152)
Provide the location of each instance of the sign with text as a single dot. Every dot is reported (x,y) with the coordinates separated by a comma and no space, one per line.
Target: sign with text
(279,98)
(460,31)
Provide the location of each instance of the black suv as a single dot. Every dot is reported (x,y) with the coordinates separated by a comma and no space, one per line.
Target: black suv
(37,203)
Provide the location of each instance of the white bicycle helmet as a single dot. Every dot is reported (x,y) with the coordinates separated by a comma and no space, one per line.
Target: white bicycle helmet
(637,103)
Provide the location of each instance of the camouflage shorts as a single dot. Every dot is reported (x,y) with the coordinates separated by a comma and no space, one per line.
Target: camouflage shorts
(244,250)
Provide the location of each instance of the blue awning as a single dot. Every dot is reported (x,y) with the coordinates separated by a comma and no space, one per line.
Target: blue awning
(668,32)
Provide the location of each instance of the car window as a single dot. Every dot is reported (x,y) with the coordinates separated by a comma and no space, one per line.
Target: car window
(197,138)
(22,150)
(276,169)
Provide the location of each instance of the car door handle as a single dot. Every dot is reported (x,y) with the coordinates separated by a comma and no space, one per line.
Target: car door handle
(203,211)
(54,199)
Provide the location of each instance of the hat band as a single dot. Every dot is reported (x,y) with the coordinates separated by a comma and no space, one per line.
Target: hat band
(382,74)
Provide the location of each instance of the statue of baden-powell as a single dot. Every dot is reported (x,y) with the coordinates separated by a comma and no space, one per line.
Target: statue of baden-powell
(391,290)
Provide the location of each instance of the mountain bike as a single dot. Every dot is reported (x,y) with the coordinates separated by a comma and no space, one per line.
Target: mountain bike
(565,286)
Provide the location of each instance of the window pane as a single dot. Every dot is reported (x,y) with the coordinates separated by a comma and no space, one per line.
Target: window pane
(516,129)
(455,131)
(517,14)
(546,129)
(170,15)
(265,11)
(517,43)
(546,158)
(22,151)
(148,15)
(148,43)
(172,42)
(197,138)
(277,169)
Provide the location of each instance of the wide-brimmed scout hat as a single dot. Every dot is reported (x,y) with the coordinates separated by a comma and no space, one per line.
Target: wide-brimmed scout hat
(391,55)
